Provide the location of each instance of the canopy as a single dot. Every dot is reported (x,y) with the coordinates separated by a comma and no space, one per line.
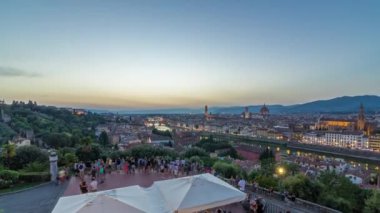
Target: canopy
(187,194)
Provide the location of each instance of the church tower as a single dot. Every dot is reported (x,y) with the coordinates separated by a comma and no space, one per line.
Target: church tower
(207,116)
(361,118)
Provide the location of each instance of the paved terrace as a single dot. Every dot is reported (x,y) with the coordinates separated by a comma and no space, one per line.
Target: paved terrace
(43,199)
(274,202)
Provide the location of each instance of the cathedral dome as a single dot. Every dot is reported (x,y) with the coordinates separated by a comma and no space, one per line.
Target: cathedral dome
(264,110)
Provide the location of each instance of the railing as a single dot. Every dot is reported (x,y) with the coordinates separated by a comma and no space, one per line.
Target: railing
(297,203)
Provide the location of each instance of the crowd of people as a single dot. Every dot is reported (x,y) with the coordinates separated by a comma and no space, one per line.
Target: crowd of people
(98,169)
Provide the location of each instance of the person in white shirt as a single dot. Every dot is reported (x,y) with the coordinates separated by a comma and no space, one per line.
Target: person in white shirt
(241,184)
(94,185)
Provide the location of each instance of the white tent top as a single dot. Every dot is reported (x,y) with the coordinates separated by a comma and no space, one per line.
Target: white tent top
(187,194)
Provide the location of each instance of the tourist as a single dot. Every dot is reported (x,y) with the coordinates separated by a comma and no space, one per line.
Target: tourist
(253,205)
(176,170)
(109,165)
(83,187)
(94,184)
(61,175)
(81,168)
(102,173)
(93,171)
(118,164)
(76,170)
(241,184)
(126,168)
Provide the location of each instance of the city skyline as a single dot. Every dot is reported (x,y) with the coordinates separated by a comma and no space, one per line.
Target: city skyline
(120,54)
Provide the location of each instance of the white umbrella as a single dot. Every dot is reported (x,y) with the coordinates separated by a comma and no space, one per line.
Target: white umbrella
(197,193)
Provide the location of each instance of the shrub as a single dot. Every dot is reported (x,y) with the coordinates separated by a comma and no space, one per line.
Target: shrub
(36,167)
(35,176)
(208,162)
(70,159)
(227,170)
(8,178)
(88,153)
(28,154)
(150,151)
(195,151)
(267,181)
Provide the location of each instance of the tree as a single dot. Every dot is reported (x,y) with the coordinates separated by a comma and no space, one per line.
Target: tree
(57,140)
(8,152)
(340,190)
(195,151)
(70,159)
(302,187)
(267,162)
(85,154)
(29,154)
(86,144)
(227,170)
(292,168)
(372,204)
(103,139)
(267,181)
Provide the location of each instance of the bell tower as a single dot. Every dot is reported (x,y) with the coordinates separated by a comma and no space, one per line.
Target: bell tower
(361,119)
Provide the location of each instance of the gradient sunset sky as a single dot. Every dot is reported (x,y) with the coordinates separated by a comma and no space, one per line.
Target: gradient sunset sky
(157,54)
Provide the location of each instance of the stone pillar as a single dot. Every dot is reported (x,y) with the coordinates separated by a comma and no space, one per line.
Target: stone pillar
(53,158)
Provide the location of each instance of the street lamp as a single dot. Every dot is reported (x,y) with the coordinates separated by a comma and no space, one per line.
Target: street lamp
(280,171)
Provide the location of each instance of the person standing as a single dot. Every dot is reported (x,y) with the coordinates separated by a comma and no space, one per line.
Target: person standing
(81,168)
(241,184)
(102,173)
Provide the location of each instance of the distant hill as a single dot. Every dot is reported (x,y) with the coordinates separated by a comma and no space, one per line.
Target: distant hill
(340,104)
(345,104)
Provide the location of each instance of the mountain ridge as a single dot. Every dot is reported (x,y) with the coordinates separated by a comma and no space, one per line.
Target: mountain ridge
(343,104)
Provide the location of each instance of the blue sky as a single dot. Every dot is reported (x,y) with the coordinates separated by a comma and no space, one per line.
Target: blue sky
(154,54)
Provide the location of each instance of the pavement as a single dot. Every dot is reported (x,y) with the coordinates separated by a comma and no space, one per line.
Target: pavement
(40,199)
(43,199)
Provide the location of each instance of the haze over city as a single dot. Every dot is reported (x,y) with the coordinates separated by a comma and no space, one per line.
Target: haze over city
(131,54)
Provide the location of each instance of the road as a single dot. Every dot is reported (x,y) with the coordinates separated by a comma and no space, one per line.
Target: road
(41,199)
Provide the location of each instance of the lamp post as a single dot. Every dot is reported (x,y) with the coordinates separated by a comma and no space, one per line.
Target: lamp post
(280,173)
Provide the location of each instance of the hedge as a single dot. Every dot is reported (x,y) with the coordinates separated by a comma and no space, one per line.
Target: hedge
(8,178)
(35,176)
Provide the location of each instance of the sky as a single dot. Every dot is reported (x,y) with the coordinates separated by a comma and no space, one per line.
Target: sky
(187,53)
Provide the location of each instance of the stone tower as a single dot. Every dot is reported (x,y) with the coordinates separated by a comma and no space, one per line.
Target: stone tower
(361,119)
(206,111)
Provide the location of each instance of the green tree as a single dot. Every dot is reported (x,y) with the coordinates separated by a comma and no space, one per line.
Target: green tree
(8,152)
(267,181)
(86,144)
(85,154)
(57,140)
(372,204)
(302,187)
(194,151)
(227,170)
(291,168)
(29,154)
(70,159)
(267,162)
(340,190)
(103,139)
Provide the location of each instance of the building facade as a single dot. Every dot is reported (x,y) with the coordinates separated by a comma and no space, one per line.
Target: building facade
(352,140)
(374,142)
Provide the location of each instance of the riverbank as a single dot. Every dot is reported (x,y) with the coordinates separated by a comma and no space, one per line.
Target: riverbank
(373,157)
